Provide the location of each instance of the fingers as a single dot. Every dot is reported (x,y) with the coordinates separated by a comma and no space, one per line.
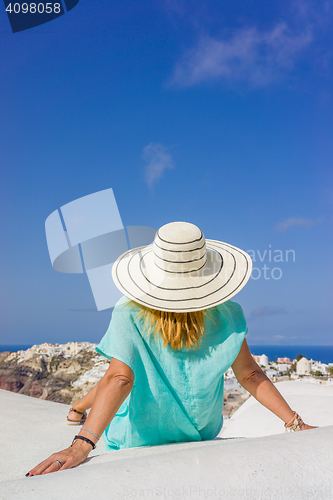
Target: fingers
(40,468)
(68,458)
(54,467)
(50,464)
(306,427)
(71,462)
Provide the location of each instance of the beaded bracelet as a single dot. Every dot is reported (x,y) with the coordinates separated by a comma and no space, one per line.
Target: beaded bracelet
(84,439)
(294,424)
(91,432)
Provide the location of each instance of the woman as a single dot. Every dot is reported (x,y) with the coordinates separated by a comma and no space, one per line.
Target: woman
(168,387)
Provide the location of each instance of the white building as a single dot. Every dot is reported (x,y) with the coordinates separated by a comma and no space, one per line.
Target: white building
(283,367)
(271,373)
(303,366)
(263,360)
(319,366)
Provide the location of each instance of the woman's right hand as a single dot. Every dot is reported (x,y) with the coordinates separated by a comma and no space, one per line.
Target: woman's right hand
(70,457)
(304,427)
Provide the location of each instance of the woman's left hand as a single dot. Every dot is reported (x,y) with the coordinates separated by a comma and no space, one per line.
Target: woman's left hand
(70,457)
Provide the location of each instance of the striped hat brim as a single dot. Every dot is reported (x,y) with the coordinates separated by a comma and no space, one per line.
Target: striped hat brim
(224,273)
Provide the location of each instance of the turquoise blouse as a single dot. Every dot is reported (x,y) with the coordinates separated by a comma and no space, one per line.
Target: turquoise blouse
(177,395)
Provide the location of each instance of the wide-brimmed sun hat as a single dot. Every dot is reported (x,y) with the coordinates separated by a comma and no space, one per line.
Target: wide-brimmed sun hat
(181,271)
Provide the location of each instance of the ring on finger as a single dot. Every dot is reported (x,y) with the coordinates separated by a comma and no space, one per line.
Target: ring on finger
(58,462)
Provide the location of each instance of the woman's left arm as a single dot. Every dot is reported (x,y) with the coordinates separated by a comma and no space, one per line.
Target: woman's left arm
(112,391)
(255,381)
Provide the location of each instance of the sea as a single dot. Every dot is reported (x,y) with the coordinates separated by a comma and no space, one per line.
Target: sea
(323,353)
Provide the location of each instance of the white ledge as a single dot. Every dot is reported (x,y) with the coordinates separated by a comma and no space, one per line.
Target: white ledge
(281,466)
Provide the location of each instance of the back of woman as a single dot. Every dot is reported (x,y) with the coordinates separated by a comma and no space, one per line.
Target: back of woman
(177,393)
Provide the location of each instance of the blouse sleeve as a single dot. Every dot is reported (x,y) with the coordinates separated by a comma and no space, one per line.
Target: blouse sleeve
(120,340)
(238,319)
(235,331)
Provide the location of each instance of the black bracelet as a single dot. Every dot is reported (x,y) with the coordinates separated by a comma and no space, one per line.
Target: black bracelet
(84,439)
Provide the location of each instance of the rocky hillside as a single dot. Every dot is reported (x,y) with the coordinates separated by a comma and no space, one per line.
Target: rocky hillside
(66,372)
(60,372)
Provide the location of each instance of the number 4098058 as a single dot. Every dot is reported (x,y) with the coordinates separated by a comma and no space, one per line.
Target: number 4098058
(34,8)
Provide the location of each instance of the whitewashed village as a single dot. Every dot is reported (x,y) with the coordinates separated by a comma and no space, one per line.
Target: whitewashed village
(282,369)
(82,367)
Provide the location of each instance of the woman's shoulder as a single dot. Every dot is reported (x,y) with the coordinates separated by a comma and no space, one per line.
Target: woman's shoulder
(125,302)
(229,307)
(126,308)
(231,311)
(122,302)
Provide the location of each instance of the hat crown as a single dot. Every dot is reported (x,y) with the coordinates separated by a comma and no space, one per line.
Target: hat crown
(179,247)
(179,232)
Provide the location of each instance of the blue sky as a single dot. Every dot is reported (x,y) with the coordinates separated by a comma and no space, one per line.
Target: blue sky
(215,113)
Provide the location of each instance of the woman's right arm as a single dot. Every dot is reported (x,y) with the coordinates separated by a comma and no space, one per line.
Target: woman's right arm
(112,390)
(255,381)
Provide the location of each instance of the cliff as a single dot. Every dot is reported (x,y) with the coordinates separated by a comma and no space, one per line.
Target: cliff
(63,373)
(60,372)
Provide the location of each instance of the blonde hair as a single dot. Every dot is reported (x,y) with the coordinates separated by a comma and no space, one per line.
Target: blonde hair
(174,328)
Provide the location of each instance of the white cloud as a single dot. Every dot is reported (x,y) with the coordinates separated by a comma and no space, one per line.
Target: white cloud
(267,311)
(258,58)
(297,221)
(159,159)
